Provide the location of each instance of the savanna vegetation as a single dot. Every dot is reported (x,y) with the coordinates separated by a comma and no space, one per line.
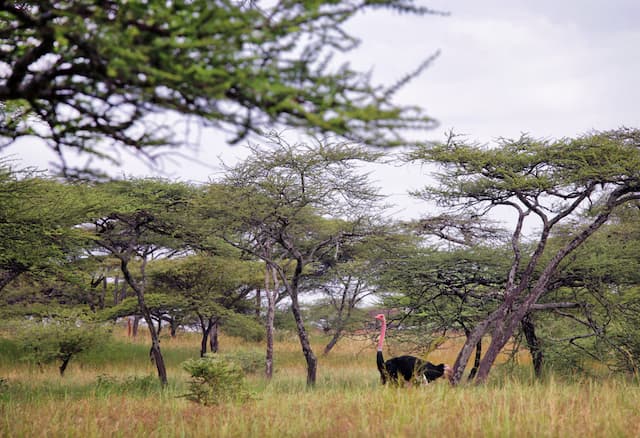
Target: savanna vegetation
(209,284)
(152,307)
(112,391)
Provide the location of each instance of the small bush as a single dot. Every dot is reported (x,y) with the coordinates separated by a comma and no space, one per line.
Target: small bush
(59,341)
(214,380)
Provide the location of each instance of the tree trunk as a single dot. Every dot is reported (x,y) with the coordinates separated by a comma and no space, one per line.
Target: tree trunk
(512,315)
(476,360)
(173,324)
(500,335)
(63,366)
(205,329)
(271,292)
(136,325)
(155,352)
(116,290)
(213,336)
(123,292)
(533,343)
(292,289)
(469,346)
(258,303)
(478,355)
(158,359)
(312,361)
(334,340)
(103,294)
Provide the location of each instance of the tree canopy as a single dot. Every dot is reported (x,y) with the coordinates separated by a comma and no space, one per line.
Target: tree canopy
(90,76)
(556,182)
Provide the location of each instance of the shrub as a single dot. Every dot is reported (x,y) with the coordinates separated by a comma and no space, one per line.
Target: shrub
(44,343)
(214,380)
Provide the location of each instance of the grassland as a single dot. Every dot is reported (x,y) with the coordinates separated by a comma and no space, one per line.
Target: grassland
(114,392)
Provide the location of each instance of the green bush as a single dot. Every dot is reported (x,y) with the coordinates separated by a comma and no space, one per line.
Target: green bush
(214,380)
(58,341)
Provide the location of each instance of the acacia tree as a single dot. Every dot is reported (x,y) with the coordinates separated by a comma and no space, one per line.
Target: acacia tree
(552,181)
(344,288)
(214,287)
(143,224)
(599,285)
(37,224)
(346,279)
(89,75)
(290,205)
(441,291)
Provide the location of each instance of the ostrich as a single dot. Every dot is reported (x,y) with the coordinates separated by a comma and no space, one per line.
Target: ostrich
(408,366)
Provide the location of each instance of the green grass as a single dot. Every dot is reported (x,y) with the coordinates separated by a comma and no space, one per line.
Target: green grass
(114,392)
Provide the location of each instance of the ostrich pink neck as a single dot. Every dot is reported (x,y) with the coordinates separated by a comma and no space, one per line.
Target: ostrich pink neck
(383,330)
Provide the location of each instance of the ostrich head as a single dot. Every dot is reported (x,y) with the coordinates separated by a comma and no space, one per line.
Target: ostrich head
(380,317)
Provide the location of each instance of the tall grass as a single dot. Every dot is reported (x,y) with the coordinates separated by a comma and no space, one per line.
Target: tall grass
(115,393)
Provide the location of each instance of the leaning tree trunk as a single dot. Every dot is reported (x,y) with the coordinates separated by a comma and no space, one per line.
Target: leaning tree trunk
(334,340)
(478,355)
(511,314)
(342,319)
(63,365)
(476,360)
(533,343)
(309,355)
(155,352)
(312,361)
(469,346)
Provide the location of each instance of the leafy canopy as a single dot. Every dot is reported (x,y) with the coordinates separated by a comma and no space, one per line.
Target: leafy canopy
(87,74)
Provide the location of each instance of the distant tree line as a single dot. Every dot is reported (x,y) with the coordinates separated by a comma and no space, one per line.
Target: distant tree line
(294,218)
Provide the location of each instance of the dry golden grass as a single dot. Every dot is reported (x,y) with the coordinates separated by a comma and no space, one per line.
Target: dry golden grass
(348,401)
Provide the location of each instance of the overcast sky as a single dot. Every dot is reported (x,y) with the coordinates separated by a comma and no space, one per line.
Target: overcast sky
(547,68)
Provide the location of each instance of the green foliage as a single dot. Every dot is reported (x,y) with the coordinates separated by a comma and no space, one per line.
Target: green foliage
(624,333)
(58,341)
(530,168)
(284,320)
(243,326)
(215,380)
(441,289)
(250,361)
(158,305)
(239,66)
(38,225)
(210,285)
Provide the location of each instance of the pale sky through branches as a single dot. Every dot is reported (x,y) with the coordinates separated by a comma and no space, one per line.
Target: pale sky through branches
(547,68)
